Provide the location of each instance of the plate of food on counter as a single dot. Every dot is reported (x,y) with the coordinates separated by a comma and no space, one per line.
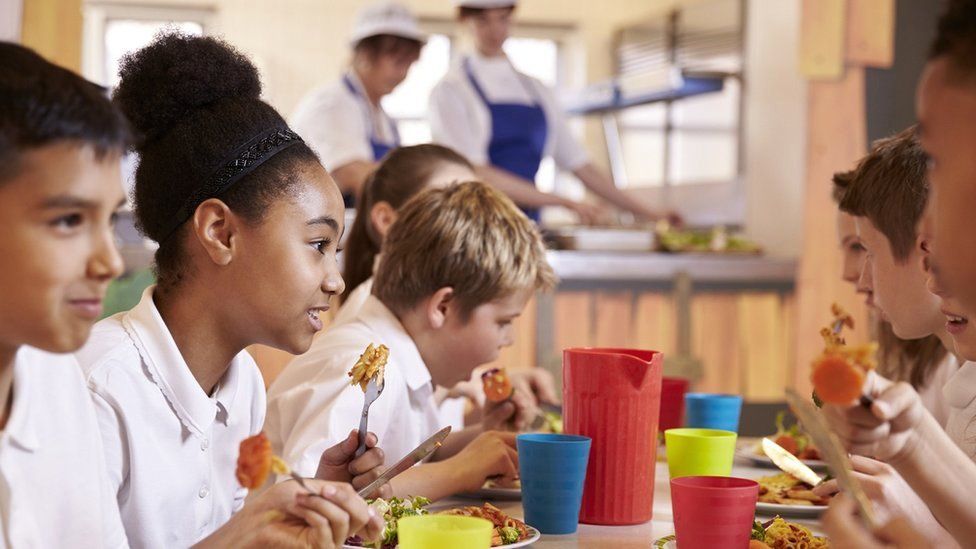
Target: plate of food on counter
(777,533)
(791,438)
(509,532)
(785,495)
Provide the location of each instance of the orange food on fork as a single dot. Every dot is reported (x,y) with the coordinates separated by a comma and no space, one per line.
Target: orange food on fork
(256,462)
(496,384)
(836,380)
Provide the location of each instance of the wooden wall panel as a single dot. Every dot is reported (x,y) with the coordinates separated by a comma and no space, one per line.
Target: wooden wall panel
(871,32)
(613,317)
(573,320)
(53,29)
(763,346)
(822,38)
(715,341)
(654,327)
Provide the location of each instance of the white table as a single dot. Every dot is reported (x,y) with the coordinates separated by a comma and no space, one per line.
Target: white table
(624,537)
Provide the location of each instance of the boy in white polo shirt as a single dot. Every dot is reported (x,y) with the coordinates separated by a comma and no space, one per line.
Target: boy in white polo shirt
(459,265)
(60,187)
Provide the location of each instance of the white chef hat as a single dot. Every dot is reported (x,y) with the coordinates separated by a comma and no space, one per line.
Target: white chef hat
(385,18)
(485,4)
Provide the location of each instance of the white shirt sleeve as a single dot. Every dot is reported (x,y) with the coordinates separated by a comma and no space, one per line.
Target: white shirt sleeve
(333,125)
(566,150)
(112,430)
(454,124)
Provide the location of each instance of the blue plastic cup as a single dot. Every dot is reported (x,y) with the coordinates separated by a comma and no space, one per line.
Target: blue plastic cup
(552,470)
(711,411)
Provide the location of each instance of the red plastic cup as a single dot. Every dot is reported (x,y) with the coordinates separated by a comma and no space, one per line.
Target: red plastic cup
(713,512)
(673,391)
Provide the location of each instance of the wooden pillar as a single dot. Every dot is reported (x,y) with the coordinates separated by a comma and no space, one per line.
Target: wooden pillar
(53,29)
(839,39)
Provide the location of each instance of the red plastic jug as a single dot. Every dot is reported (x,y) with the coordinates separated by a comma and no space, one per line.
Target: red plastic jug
(613,396)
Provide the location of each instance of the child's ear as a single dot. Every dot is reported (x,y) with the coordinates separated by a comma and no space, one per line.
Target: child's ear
(382,215)
(439,306)
(214,226)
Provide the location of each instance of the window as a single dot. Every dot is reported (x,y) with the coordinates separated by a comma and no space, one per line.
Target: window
(113,30)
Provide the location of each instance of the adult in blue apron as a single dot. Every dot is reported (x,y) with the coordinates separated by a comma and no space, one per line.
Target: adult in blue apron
(506,122)
(378,146)
(518,134)
(344,122)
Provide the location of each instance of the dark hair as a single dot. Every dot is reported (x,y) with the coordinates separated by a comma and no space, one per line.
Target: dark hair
(955,38)
(464,11)
(193,101)
(890,188)
(380,45)
(402,173)
(841,180)
(42,103)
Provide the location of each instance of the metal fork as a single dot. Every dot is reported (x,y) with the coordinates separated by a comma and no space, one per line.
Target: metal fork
(373,391)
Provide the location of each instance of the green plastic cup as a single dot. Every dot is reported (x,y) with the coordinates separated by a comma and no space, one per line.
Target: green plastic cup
(444,532)
(699,452)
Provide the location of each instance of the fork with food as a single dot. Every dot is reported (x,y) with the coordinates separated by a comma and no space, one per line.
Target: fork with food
(368,373)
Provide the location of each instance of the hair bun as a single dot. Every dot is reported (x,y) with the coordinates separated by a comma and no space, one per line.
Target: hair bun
(178,74)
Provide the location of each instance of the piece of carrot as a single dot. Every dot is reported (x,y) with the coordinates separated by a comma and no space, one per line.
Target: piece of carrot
(836,380)
(254,461)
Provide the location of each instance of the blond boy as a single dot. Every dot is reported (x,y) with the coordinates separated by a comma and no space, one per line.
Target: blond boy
(458,267)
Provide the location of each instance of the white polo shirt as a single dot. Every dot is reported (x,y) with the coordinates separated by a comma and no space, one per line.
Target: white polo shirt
(337,124)
(54,489)
(311,405)
(960,394)
(460,119)
(171,449)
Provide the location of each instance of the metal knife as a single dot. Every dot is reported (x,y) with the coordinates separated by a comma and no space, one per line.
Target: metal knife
(789,463)
(832,452)
(420,452)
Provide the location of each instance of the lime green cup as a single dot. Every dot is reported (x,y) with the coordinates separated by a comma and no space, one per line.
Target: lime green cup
(444,532)
(699,452)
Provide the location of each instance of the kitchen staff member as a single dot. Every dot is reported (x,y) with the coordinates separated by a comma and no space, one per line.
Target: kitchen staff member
(344,122)
(506,122)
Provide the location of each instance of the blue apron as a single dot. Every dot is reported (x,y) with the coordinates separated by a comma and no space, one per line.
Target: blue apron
(379,148)
(518,135)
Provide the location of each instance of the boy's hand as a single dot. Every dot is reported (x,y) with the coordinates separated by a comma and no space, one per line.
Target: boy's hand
(846,531)
(536,382)
(489,455)
(891,495)
(517,412)
(339,465)
(889,429)
(286,515)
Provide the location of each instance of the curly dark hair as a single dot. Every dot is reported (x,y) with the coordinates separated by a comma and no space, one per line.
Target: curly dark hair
(192,101)
(956,38)
(42,103)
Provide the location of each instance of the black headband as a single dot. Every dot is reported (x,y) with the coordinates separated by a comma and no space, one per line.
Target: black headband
(242,161)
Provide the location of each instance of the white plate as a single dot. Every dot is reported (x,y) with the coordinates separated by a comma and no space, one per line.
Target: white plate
(791,511)
(506,494)
(534,536)
(748,452)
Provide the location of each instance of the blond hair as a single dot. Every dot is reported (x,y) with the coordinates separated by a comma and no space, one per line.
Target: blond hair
(468,237)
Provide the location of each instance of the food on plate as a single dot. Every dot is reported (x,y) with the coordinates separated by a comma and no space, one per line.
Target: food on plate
(371,363)
(781,534)
(554,423)
(256,462)
(391,510)
(785,489)
(507,529)
(792,439)
(716,240)
(497,385)
(839,372)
